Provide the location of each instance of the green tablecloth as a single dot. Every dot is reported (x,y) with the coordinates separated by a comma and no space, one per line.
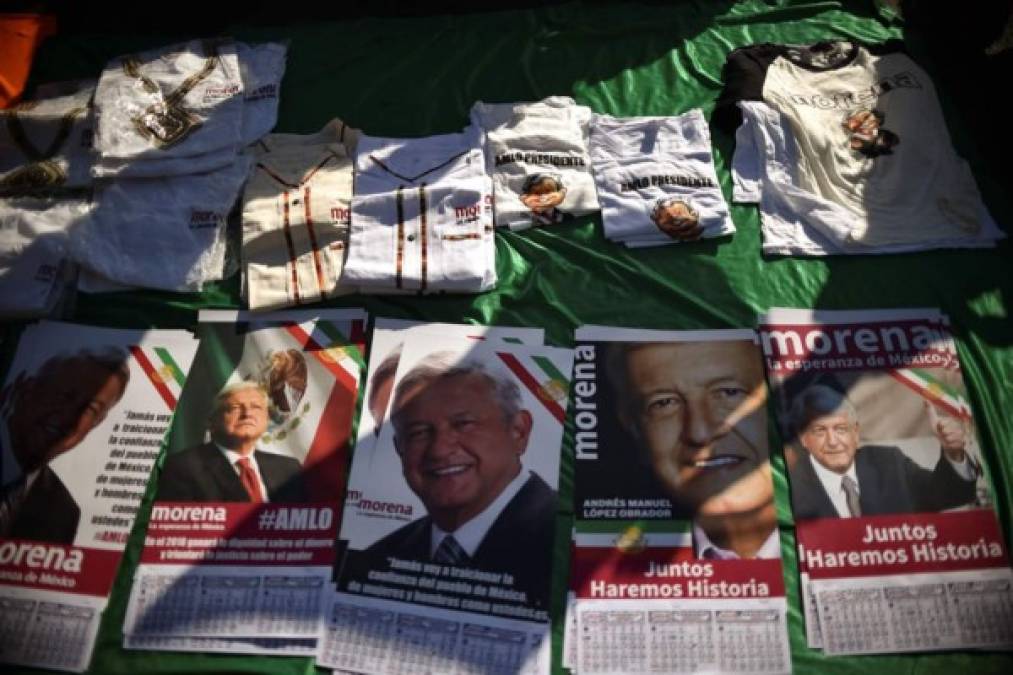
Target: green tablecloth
(419,76)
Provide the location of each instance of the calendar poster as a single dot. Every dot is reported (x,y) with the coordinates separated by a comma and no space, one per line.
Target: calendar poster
(240,544)
(899,547)
(83,412)
(676,563)
(449,542)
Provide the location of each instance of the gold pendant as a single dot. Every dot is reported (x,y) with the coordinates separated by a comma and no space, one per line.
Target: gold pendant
(166,125)
(32,177)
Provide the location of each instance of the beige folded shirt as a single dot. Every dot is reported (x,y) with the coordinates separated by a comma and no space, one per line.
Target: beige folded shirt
(296,211)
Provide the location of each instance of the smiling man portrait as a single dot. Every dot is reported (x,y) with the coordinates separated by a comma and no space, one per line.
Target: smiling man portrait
(839,476)
(460,431)
(697,412)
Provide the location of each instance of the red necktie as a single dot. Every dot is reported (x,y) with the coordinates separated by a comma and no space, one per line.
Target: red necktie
(248,477)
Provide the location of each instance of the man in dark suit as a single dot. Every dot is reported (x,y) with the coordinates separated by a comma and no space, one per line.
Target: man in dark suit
(230,468)
(50,413)
(460,432)
(836,477)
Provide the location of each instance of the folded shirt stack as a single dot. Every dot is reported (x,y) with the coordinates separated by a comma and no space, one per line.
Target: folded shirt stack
(170,127)
(422,217)
(45,180)
(656,179)
(537,156)
(36,275)
(296,213)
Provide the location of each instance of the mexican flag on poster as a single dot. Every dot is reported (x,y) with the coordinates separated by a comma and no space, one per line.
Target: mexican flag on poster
(241,538)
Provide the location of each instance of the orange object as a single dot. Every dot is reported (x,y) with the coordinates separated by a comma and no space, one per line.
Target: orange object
(20,35)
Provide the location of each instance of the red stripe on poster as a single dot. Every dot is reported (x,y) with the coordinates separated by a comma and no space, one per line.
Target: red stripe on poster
(910,543)
(937,401)
(326,462)
(153,375)
(357,335)
(311,346)
(65,569)
(533,386)
(670,573)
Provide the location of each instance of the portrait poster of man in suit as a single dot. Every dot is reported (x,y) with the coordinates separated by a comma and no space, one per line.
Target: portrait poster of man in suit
(471,451)
(253,476)
(47,414)
(848,456)
(679,425)
(265,416)
(83,411)
(230,467)
(885,472)
(386,342)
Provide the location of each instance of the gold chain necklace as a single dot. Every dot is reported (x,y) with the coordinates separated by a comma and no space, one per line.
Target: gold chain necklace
(40,172)
(166,123)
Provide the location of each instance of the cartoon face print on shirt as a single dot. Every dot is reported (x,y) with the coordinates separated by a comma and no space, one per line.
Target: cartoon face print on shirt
(542,193)
(866,134)
(677,218)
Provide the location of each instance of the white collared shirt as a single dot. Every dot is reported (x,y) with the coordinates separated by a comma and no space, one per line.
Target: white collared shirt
(967,469)
(422,216)
(232,456)
(471,534)
(771,547)
(831,482)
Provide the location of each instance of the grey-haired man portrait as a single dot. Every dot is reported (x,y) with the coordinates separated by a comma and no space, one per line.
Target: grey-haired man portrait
(838,476)
(231,467)
(45,415)
(696,412)
(460,431)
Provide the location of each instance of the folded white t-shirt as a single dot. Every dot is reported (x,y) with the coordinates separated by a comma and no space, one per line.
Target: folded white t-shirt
(163,233)
(656,179)
(34,264)
(262,67)
(536,154)
(178,101)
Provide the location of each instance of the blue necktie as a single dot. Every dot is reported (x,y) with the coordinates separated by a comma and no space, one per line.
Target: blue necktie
(449,552)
